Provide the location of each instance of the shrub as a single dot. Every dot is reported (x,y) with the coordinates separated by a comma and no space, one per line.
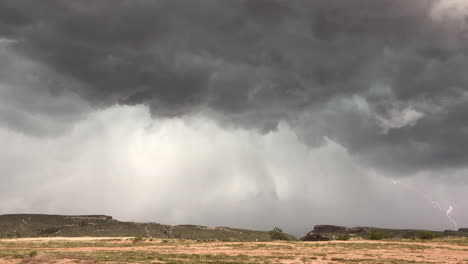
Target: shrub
(49,230)
(277,234)
(378,235)
(137,239)
(427,235)
(344,237)
(409,235)
(32,254)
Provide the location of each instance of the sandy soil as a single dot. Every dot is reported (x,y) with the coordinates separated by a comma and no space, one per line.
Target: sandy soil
(50,250)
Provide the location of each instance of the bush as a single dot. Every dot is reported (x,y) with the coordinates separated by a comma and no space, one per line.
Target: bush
(344,237)
(32,254)
(408,235)
(49,230)
(427,235)
(378,235)
(277,234)
(137,239)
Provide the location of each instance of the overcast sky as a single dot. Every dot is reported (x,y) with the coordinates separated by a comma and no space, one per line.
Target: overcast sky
(243,113)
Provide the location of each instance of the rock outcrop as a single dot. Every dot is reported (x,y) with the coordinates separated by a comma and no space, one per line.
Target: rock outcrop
(311,236)
(328,232)
(338,229)
(90,217)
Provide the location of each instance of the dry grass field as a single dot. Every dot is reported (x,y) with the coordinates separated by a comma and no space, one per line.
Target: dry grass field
(131,250)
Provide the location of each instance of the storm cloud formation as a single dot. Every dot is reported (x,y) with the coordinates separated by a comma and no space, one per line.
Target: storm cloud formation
(382,80)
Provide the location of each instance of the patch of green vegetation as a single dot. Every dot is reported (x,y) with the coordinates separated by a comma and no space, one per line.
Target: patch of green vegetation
(459,241)
(32,254)
(146,257)
(337,259)
(373,246)
(378,235)
(343,237)
(428,235)
(308,259)
(358,260)
(49,230)
(320,254)
(403,261)
(13,253)
(137,239)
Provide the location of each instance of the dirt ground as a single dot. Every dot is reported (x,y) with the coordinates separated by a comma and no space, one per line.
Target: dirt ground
(130,250)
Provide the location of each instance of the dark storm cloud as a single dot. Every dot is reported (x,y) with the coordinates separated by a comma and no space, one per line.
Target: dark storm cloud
(32,100)
(256,62)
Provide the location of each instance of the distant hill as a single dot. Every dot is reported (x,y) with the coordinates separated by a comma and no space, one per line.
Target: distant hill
(35,225)
(332,232)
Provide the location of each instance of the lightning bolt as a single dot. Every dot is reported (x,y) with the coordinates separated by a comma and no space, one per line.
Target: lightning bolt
(449,212)
(435,204)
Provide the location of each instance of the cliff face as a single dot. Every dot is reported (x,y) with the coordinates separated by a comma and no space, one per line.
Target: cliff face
(311,236)
(328,232)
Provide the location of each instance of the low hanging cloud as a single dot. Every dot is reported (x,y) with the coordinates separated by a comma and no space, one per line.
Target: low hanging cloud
(399,119)
(260,95)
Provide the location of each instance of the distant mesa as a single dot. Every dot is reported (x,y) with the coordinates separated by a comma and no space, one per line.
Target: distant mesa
(37,225)
(331,232)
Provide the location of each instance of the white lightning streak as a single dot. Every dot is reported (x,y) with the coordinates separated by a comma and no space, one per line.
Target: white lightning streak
(435,204)
(449,212)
